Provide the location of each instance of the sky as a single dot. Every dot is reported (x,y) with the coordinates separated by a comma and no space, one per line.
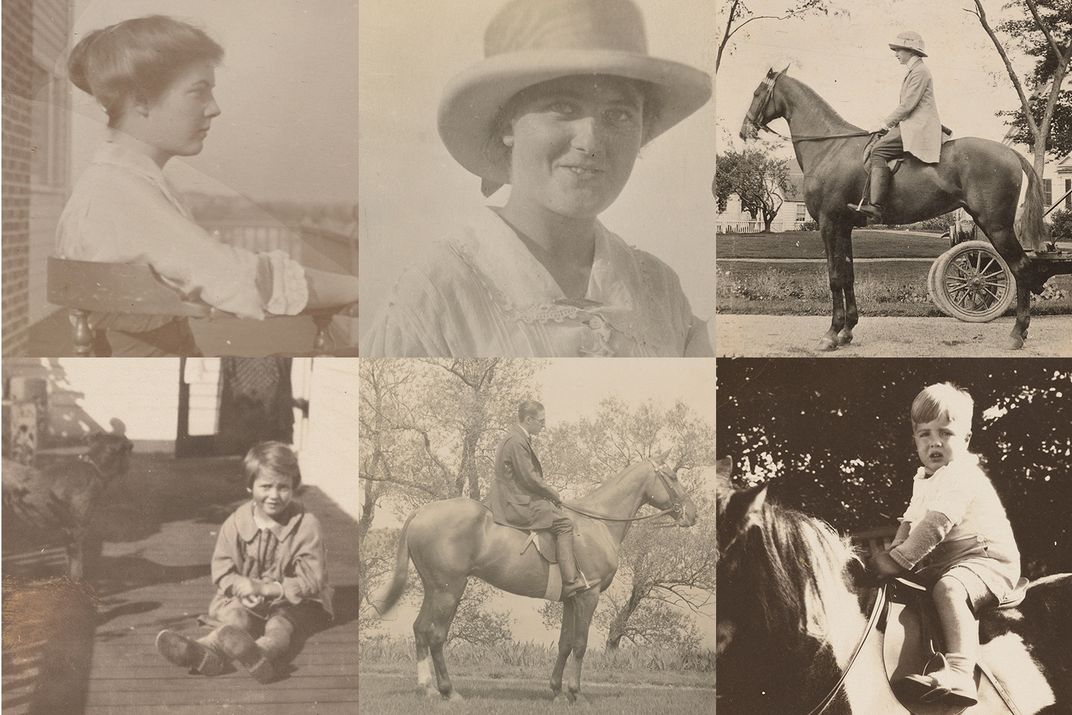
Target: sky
(413,191)
(571,388)
(846,59)
(287,89)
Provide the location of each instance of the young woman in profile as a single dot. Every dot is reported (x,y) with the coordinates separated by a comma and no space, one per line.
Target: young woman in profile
(154,77)
(559,109)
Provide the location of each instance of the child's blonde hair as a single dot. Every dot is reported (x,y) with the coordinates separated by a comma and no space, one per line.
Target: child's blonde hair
(943,399)
(274,457)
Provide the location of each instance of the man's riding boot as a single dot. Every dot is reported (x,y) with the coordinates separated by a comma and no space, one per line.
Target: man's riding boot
(571,583)
(880,184)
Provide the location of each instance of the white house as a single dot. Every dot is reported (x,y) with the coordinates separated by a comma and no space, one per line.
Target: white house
(791,214)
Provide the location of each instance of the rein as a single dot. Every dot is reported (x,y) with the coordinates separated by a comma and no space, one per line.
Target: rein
(675,507)
(754,120)
(876,612)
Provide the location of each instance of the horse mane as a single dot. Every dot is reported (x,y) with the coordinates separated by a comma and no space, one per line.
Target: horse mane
(796,567)
(817,105)
(613,480)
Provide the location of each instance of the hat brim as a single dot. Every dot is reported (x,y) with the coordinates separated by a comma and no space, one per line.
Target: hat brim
(921,53)
(473,100)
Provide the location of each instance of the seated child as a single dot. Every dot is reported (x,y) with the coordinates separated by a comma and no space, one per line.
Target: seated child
(270,575)
(954,538)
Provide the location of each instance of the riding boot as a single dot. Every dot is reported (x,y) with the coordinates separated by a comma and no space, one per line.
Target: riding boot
(571,583)
(880,184)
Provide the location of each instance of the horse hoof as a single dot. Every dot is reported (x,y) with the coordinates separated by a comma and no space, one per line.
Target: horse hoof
(1015,343)
(561,699)
(844,337)
(580,700)
(827,344)
(454,696)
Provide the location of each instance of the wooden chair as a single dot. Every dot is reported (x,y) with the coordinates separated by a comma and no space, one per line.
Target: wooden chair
(84,287)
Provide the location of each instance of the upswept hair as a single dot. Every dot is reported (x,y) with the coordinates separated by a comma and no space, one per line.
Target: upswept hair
(528,408)
(942,400)
(273,457)
(137,59)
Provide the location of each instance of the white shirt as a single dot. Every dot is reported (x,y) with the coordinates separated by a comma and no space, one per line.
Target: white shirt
(962,492)
(123,210)
(481,293)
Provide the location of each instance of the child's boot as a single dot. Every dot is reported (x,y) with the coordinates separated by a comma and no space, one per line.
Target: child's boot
(188,653)
(953,683)
(240,646)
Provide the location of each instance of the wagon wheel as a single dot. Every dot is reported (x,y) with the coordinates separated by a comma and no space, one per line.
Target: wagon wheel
(932,288)
(973,283)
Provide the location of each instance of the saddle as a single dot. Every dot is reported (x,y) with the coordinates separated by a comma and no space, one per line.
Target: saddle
(912,642)
(895,164)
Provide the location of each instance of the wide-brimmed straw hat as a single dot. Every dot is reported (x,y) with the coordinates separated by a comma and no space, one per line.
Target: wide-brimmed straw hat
(532,41)
(911,41)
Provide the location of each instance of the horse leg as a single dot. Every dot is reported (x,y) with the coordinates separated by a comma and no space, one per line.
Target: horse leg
(829,229)
(565,646)
(584,608)
(443,604)
(421,629)
(848,287)
(1023,315)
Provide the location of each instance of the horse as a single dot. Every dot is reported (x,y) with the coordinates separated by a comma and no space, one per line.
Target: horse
(793,636)
(992,182)
(453,539)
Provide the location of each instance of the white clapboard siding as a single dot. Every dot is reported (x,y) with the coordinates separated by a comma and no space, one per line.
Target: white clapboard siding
(328,446)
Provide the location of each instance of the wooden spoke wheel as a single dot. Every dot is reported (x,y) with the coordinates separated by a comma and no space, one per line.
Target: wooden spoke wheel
(971,282)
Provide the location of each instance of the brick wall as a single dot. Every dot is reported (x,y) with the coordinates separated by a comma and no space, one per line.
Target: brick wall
(17,80)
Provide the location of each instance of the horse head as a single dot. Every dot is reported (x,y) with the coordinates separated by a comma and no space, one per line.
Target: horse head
(666,492)
(762,109)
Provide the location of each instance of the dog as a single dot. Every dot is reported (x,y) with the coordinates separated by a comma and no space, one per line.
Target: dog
(60,499)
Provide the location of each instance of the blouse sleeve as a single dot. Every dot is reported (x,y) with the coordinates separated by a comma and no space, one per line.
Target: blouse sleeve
(124,219)
(225,559)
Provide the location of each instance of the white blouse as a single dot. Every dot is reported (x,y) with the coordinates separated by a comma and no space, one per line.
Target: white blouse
(123,210)
(481,293)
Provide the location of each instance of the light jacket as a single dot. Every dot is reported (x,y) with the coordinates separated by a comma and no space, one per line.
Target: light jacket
(519,496)
(917,114)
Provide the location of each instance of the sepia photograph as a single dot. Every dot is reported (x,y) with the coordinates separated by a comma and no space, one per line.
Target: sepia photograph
(180,178)
(537,532)
(179,535)
(893,179)
(893,536)
(535,178)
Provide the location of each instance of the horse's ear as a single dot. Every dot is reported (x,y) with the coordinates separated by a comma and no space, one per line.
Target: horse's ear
(724,467)
(743,510)
(786,70)
(660,459)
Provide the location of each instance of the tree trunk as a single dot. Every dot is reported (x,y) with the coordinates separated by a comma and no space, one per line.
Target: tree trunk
(621,619)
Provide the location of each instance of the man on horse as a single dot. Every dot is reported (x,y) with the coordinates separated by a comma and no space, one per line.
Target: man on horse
(522,499)
(912,127)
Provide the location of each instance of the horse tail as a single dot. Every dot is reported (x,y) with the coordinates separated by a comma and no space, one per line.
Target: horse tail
(1028,226)
(394,589)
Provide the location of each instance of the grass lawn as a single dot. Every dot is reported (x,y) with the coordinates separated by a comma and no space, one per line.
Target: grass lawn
(809,244)
(895,288)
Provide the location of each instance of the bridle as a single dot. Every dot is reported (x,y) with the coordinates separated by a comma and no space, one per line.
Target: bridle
(753,119)
(876,612)
(676,508)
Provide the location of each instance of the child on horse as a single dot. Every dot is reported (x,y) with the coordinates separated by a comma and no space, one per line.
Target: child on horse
(954,538)
(522,499)
(270,575)
(912,127)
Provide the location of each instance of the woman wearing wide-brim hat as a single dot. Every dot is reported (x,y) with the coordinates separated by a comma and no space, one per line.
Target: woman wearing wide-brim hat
(565,98)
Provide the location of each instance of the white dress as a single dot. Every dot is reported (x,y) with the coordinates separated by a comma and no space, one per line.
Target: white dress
(123,210)
(481,293)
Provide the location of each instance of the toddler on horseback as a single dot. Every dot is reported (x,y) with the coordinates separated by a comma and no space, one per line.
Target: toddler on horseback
(954,538)
(270,575)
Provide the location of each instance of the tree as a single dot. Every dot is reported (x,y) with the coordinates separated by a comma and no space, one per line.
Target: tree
(741,13)
(1045,33)
(759,180)
(659,567)
(836,443)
